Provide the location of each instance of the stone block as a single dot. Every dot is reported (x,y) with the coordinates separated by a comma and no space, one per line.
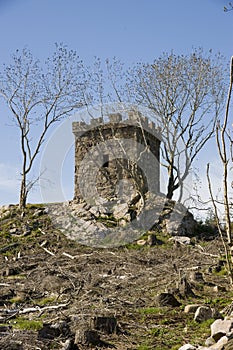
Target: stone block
(192,308)
(203,313)
(115,117)
(220,328)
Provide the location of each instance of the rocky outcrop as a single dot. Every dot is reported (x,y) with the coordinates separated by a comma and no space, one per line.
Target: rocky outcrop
(176,220)
(115,223)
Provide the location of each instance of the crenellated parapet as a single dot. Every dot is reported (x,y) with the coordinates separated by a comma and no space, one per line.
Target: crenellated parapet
(131,118)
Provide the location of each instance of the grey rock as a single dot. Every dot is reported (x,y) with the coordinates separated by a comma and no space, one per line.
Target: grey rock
(187,347)
(181,240)
(220,328)
(203,313)
(210,341)
(95,211)
(177,220)
(120,210)
(220,345)
(167,299)
(229,344)
(192,308)
(99,210)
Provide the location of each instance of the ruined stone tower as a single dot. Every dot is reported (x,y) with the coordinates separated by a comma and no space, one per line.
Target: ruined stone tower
(116,158)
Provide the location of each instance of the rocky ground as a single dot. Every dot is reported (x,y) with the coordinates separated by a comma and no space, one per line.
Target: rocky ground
(58,294)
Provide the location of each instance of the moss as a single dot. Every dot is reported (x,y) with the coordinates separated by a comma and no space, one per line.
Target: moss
(198,332)
(219,302)
(34,206)
(156,332)
(47,300)
(134,246)
(222,272)
(16,299)
(24,324)
(151,310)
(109,221)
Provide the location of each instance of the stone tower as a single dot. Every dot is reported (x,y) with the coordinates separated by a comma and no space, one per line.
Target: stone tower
(116,159)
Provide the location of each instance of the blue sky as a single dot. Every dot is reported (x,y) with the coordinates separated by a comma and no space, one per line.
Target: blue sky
(131,30)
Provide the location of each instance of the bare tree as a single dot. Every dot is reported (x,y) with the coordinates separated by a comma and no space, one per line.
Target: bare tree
(38,95)
(228,8)
(224,144)
(186,93)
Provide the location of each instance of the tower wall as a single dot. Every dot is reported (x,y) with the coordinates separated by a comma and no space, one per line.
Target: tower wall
(115,152)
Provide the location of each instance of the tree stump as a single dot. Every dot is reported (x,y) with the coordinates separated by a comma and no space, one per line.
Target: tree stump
(106,324)
(87,337)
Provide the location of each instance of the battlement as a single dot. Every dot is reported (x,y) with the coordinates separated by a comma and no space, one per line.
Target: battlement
(132,118)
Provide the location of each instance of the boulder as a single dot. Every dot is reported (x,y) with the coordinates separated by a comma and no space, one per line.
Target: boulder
(220,345)
(177,220)
(228,345)
(99,210)
(13,231)
(203,313)
(39,212)
(210,341)
(187,347)
(120,210)
(220,328)
(180,240)
(167,299)
(192,308)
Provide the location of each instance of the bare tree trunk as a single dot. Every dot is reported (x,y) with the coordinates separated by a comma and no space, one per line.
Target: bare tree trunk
(23,193)
(225,245)
(170,186)
(23,186)
(225,160)
(225,155)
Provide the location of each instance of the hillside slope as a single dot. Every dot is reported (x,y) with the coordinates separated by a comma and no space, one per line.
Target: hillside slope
(58,294)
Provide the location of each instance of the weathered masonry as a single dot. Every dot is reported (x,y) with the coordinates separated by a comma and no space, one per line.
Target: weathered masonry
(116,158)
